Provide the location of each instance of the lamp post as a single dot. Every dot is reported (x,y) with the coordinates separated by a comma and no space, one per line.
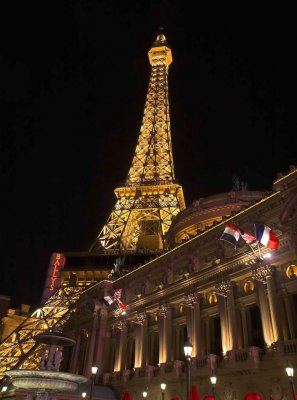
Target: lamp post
(163,387)
(290,373)
(94,372)
(4,388)
(213,380)
(188,352)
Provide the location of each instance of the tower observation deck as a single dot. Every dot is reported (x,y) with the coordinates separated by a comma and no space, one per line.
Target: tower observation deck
(150,197)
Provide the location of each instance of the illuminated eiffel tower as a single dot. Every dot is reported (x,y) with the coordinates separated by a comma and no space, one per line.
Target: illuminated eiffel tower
(150,197)
(140,219)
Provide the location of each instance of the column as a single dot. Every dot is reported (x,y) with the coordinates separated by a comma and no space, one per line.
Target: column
(289,314)
(265,315)
(177,342)
(75,353)
(207,335)
(165,330)
(197,342)
(227,315)
(101,341)
(140,331)
(193,322)
(168,335)
(274,309)
(121,347)
(245,339)
(91,345)
(232,326)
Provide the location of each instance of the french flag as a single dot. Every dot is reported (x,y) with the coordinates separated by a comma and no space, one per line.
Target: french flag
(266,237)
(231,234)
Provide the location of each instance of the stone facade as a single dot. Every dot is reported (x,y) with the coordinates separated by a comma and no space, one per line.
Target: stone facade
(238,308)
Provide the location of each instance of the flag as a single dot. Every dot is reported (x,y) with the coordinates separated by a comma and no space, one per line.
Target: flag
(247,237)
(266,237)
(122,305)
(231,234)
(118,293)
(107,300)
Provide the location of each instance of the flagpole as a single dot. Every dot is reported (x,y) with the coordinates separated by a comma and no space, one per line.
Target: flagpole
(253,251)
(260,255)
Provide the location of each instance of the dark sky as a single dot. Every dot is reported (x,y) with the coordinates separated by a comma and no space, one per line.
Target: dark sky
(74,76)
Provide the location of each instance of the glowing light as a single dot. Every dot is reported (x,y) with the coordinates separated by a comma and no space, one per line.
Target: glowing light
(37,313)
(59,262)
(94,370)
(267,255)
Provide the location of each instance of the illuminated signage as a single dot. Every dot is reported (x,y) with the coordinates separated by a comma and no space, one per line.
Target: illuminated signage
(53,279)
(58,262)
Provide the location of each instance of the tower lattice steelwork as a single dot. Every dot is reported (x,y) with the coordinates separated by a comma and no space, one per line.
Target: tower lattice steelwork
(150,198)
(140,218)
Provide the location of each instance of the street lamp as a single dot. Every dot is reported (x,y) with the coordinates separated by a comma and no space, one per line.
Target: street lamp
(144,394)
(94,372)
(213,380)
(290,373)
(163,387)
(84,394)
(4,388)
(188,352)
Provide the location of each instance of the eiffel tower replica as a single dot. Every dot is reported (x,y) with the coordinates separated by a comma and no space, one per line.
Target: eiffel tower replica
(150,197)
(135,230)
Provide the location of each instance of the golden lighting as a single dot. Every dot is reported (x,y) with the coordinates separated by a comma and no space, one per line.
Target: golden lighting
(249,286)
(150,195)
(212,298)
(291,271)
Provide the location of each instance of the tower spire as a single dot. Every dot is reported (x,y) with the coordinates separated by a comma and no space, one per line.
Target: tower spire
(150,198)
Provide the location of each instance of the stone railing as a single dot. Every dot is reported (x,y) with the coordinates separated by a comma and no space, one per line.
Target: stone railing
(200,362)
(241,355)
(290,346)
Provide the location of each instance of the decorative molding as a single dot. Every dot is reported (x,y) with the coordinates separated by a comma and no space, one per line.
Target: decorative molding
(120,325)
(262,272)
(222,288)
(140,318)
(191,299)
(163,310)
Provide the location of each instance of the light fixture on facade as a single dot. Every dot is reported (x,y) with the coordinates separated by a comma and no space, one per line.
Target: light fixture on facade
(144,394)
(290,373)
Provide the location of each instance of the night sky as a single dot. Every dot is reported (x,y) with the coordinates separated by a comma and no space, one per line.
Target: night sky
(74,76)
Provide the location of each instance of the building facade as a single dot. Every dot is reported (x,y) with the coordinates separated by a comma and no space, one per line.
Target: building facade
(178,280)
(237,307)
